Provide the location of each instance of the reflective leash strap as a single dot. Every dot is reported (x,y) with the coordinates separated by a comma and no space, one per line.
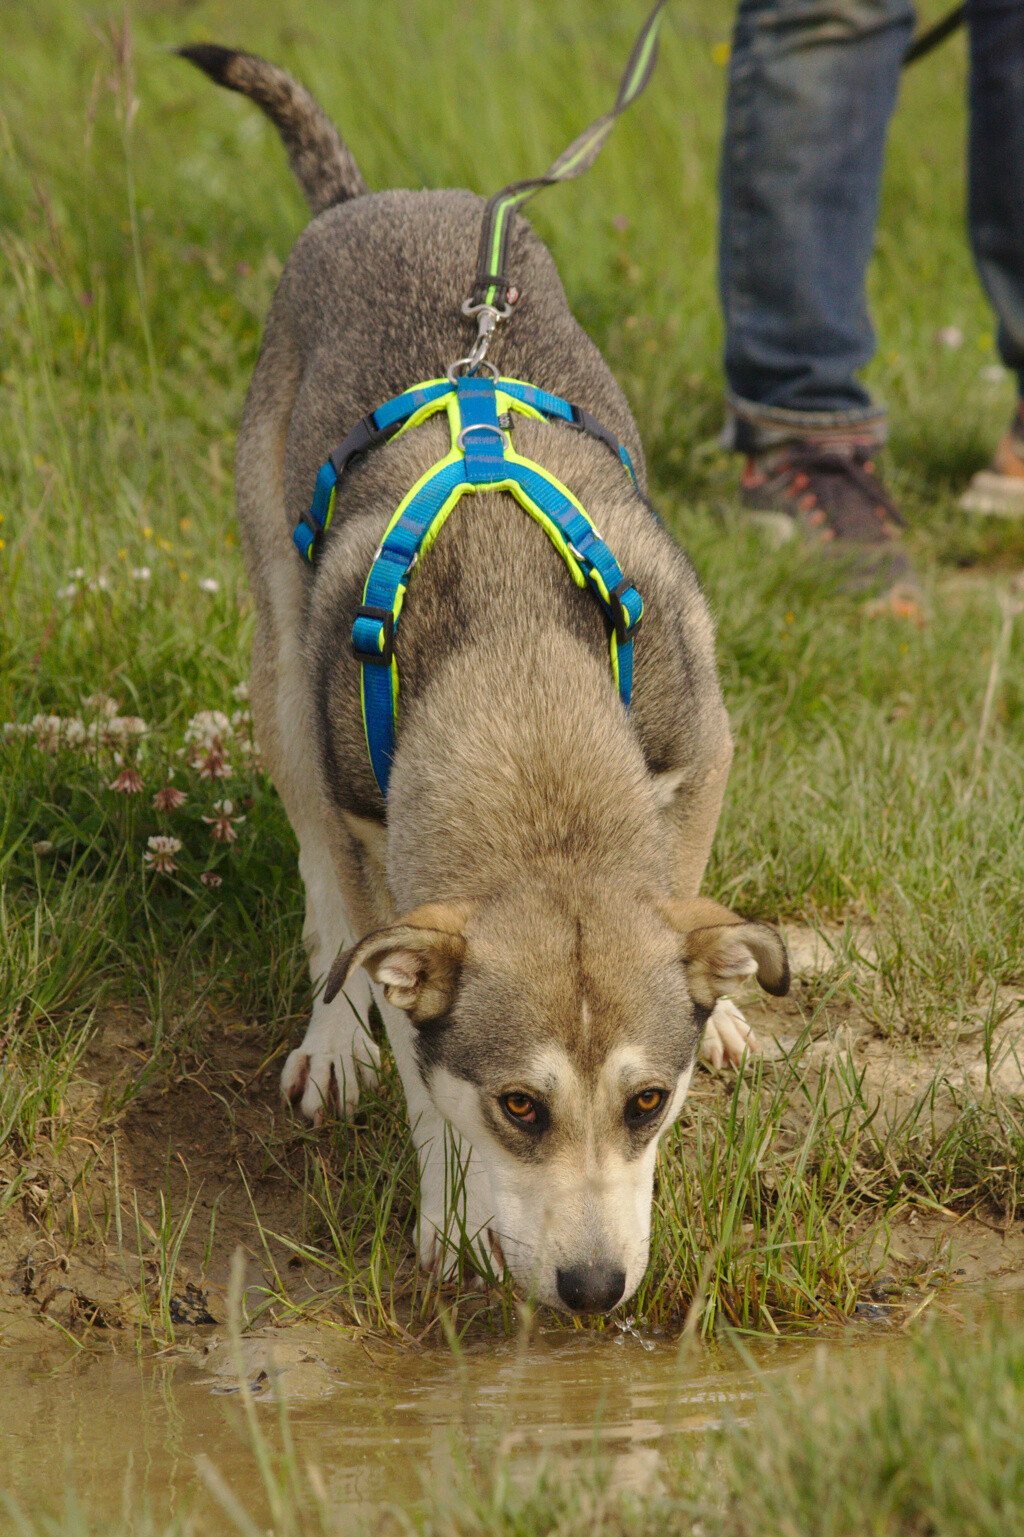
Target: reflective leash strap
(481,457)
(493,295)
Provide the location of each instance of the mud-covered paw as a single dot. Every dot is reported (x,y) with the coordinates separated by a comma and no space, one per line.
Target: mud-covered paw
(727,1036)
(324,1075)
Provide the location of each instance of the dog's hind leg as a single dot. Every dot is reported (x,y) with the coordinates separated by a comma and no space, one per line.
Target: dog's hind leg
(691,803)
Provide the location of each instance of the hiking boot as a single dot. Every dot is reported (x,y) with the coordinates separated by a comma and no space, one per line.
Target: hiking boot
(999,490)
(832,498)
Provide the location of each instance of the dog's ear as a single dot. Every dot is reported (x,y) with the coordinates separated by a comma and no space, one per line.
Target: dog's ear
(719,948)
(418,960)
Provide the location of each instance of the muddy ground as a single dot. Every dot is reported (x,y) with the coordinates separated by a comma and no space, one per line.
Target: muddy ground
(92,1237)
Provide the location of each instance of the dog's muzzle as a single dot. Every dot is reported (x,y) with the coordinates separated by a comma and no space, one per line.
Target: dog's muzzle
(591,1288)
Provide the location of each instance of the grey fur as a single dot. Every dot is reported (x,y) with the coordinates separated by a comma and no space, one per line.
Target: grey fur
(545,849)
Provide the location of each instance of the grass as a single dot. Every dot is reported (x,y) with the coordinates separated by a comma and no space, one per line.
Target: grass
(850,1448)
(143,221)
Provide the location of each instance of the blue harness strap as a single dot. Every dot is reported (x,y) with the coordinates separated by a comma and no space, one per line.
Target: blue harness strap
(481,457)
(553,405)
(373,429)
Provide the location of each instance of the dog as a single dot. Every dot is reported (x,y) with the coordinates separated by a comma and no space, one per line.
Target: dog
(524,905)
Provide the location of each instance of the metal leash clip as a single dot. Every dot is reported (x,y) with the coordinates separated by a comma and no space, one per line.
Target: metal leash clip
(488,317)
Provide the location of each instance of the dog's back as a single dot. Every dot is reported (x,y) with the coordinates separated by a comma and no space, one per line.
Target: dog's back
(370,302)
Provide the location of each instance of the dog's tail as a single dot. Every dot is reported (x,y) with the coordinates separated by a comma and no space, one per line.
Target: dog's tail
(318,155)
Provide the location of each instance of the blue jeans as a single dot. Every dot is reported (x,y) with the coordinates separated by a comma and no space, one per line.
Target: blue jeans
(812,86)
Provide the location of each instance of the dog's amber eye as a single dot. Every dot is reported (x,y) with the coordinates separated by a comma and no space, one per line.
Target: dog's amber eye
(645,1105)
(521,1108)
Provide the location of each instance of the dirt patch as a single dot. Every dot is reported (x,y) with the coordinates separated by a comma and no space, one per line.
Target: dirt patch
(944,1114)
(138,1213)
(131,1219)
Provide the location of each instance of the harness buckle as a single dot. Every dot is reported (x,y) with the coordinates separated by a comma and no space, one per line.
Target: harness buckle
(625,627)
(307,535)
(584,422)
(364,435)
(372,655)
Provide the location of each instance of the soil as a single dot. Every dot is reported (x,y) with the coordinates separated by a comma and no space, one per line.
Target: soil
(211,1130)
(212,1133)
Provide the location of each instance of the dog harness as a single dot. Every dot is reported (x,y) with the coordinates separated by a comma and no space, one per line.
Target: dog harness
(481,458)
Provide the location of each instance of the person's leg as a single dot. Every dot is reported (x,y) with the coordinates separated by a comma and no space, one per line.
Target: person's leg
(812,85)
(995,166)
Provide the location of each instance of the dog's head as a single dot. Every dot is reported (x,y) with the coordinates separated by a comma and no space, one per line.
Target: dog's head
(559,1038)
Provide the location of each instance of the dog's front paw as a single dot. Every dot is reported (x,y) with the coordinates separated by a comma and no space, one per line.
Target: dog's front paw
(727,1036)
(325,1073)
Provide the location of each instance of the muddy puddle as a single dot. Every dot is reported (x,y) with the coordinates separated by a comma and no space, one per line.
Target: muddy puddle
(382,1425)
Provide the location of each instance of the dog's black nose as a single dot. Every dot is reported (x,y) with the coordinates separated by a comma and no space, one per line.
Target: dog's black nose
(591,1288)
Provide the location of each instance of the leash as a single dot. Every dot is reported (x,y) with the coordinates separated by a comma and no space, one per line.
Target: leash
(935,35)
(493,295)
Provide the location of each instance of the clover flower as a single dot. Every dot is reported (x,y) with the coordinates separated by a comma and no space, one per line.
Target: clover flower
(159,856)
(169,798)
(47,730)
(209,728)
(222,826)
(128,782)
(115,730)
(213,766)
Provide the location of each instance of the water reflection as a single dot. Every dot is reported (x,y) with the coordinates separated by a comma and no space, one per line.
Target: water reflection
(382,1424)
